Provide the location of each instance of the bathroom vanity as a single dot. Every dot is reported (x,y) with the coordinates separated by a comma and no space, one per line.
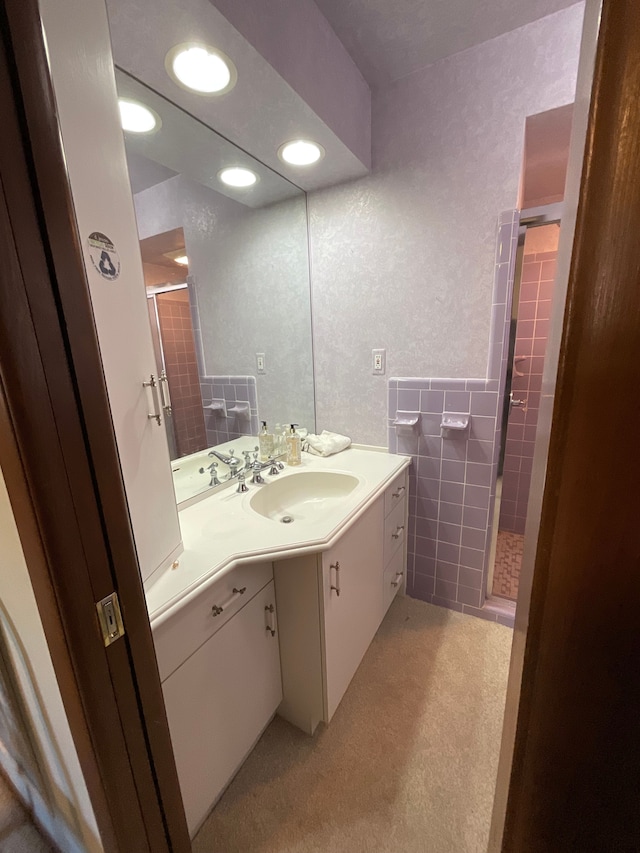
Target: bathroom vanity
(261,616)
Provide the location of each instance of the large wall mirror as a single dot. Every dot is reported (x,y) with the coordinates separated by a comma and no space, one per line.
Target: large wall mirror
(226,268)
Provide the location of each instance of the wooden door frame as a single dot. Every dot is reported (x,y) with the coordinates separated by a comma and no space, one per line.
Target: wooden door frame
(574,783)
(60,460)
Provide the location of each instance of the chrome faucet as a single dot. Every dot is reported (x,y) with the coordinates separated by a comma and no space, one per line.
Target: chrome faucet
(258,467)
(248,463)
(232,461)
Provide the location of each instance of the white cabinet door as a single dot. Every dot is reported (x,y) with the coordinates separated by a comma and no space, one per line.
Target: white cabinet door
(93,144)
(352,598)
(219,701)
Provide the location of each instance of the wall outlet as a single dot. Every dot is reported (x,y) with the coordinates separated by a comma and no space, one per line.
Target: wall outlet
(260,362)
(379,362)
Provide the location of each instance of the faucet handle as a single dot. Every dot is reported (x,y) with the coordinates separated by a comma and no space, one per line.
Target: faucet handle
(242,486)
(274,467)
(212,469)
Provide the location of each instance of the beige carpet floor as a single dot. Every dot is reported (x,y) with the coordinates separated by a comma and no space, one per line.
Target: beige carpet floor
(17,832)
(408,763)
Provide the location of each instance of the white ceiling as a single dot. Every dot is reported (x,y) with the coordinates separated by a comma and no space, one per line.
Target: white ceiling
(388,39)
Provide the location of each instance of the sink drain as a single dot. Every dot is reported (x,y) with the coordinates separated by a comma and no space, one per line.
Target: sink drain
(286,519)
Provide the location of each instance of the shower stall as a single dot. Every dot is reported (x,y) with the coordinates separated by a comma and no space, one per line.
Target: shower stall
(529,328)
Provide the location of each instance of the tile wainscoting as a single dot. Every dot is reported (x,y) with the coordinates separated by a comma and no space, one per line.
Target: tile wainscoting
(453,478)
(229,393)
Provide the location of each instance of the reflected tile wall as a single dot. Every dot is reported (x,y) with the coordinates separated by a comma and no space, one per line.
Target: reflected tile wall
(174,318)
(453,477)
(231,392)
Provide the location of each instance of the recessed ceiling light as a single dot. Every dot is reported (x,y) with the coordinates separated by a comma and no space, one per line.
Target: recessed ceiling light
(183,260)
(136,118)
(301,152)
(200,68)
(237,176)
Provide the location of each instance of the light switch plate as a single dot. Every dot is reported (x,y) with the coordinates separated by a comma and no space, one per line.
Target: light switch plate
(260,362)
(379,362)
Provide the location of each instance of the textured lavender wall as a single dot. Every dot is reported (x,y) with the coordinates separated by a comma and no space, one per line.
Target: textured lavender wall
(453,476)
(403,259)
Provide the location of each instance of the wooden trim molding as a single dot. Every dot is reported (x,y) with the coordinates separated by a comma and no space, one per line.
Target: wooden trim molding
(57,406)
(574,780)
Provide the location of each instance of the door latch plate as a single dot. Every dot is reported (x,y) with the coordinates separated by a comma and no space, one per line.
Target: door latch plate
(110,618)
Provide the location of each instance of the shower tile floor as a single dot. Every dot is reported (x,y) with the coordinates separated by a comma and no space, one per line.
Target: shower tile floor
(506,572)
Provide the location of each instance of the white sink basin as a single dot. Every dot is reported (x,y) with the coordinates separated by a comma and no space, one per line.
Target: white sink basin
(302,496)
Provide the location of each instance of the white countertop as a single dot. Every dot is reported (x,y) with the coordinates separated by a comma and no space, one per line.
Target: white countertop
(222,530)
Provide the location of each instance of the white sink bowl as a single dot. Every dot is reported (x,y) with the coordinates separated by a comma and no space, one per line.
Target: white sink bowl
(302,496)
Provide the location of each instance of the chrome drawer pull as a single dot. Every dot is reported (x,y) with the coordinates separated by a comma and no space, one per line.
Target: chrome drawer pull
(217,609)
(399,492)
(398,579)
(399,530)
(269,609)
(336,566)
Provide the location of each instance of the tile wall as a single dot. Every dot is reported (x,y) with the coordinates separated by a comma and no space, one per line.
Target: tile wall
(174,317)
(453,476)
(230,407)
(534,312)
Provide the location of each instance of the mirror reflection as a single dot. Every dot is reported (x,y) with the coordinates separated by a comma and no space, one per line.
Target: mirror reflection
(225,255)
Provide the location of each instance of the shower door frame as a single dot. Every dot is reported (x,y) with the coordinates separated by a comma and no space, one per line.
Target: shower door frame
(158,350)
(533,217)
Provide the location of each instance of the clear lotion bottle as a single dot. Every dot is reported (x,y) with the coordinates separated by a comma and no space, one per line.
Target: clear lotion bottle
(294,447)
(265,443)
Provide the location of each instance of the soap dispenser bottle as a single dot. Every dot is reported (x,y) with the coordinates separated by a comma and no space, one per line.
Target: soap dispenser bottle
(294,447)
(265,443)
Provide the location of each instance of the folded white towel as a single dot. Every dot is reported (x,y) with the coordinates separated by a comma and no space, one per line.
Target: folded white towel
(325,444)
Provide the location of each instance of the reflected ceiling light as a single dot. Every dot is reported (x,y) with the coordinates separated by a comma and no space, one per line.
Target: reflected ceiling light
(136,118)
(301,152)
(237,176)
(178,256)
(200,68)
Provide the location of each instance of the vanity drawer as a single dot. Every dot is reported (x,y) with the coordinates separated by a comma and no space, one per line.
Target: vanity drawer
(192,625)
(395,493)
(393,578)
(394,531)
